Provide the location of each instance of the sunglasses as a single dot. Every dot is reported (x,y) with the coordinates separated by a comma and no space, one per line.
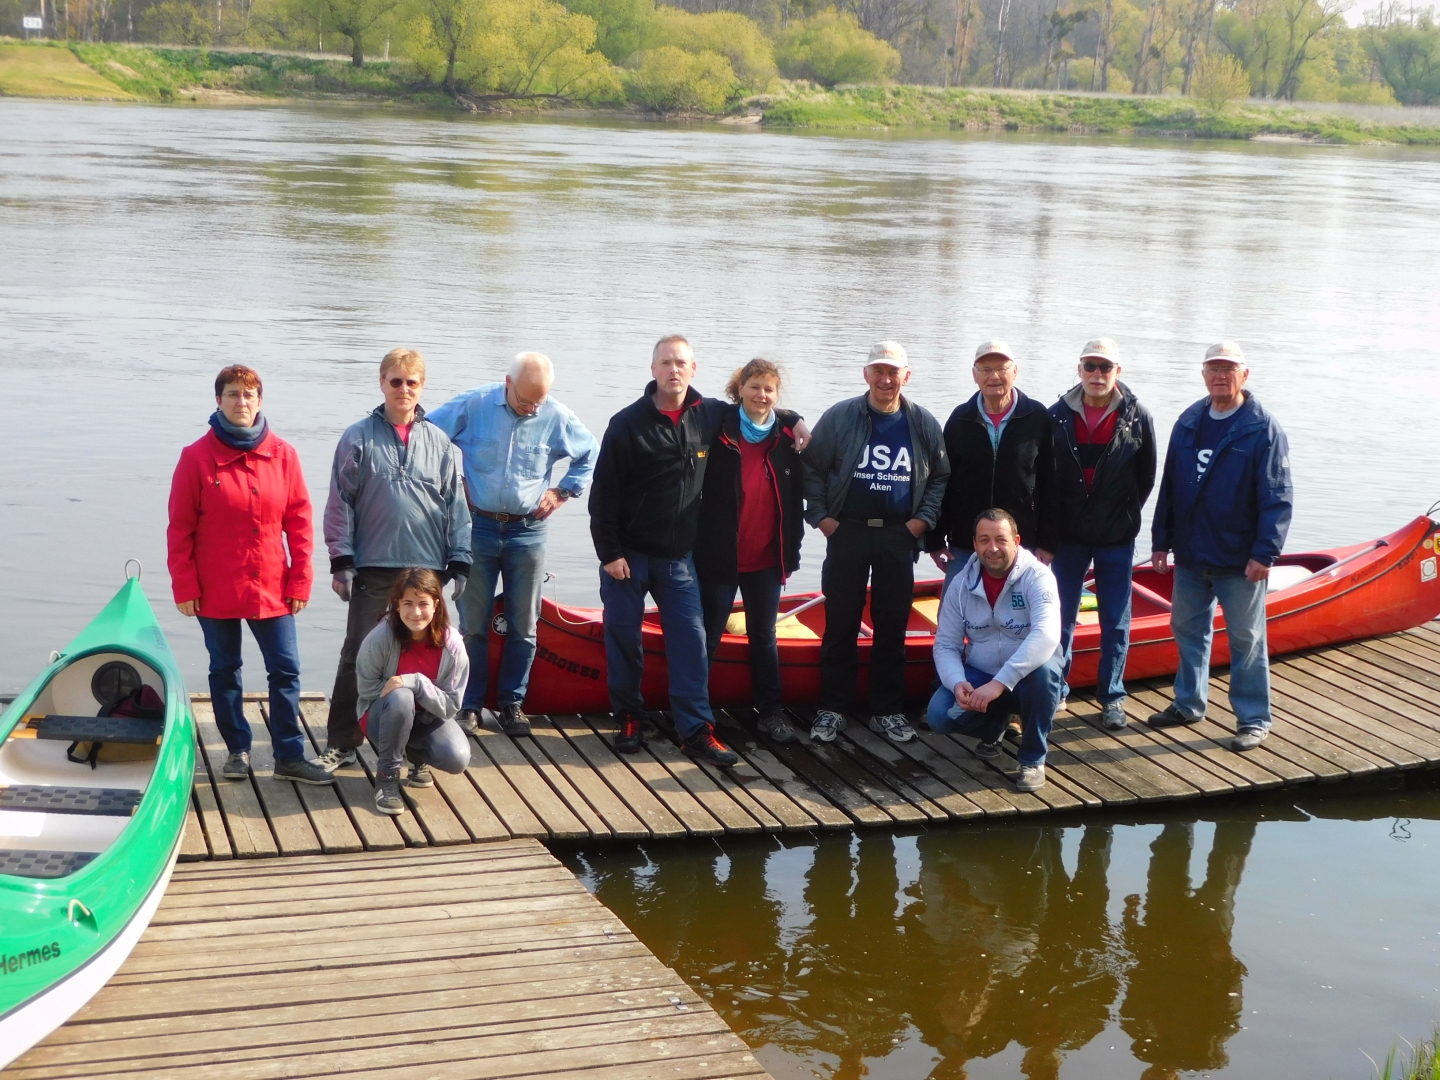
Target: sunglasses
(1093,366)
(396,384)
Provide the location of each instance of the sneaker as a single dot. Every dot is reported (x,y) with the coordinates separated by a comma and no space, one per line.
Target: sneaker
(469,720)
(334,758)
(512,719)
(1112,715)
(987,749)
(706,747)
(631,735)
(894,727)
(1248,738)
(420,776)
(778,728)
(826,726)
(237,766)
(1063,704)
(303,772)
(1015,728)
(1170,716)
(1031,777)
(387,794)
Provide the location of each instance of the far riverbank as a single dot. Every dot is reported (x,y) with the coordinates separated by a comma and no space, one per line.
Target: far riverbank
(83,71)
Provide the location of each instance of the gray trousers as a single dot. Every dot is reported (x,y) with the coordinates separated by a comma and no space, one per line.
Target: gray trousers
(399,731)
(369,597)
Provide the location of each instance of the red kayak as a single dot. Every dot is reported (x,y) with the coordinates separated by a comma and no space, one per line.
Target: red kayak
(1320,598)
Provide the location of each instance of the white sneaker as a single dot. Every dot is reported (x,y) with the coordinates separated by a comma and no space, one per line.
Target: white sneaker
(894,727)
(1031,777)
(826,726)
(333,759)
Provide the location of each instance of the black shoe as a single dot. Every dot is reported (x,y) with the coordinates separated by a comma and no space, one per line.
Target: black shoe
(1170,716)
(512,720)
(706,747)
(1015,729)
(303,772)
(469,720)
(631,735)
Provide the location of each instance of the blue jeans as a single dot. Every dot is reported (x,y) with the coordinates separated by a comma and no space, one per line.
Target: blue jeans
(276,638)
(1192,622)
(1112,590)
(1035,698)
(761,592)
(400,730)
(513,551)
(676,590)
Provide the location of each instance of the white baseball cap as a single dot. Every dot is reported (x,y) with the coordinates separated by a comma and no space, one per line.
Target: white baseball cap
(1101,348)
(994,347)
(888,352)
(1229,351)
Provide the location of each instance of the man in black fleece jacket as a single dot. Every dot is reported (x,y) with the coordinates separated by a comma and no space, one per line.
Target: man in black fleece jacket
(644,514)
(1001,449)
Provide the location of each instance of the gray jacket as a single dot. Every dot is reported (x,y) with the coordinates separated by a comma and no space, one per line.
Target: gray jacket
(838,440)
(1010,640)
(379,656)
(396,506)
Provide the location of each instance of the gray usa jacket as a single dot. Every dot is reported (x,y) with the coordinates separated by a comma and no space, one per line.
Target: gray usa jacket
(838,440)
(394,505)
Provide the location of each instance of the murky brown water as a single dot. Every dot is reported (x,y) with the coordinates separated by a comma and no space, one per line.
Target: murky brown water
(142,248)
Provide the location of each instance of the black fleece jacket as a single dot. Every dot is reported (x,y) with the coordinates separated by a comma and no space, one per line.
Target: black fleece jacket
(645,494)
(1109,514)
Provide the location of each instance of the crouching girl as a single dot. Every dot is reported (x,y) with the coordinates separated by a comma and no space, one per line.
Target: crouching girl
(411,672)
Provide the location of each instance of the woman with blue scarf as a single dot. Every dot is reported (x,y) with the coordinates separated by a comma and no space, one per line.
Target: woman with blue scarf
(750,530)
(240,541)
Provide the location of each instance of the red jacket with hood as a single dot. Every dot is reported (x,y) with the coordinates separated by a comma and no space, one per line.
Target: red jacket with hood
(228,511)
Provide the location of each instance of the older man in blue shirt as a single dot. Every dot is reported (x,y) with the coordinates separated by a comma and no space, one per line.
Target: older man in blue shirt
(511,435)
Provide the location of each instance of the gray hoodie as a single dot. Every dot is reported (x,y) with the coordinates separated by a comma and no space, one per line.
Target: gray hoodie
(379,657)
(1019,634)
(394,505)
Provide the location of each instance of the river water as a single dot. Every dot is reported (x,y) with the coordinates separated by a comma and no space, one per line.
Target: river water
(143,248)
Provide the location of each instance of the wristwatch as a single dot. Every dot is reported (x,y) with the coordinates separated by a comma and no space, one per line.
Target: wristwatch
(564,494)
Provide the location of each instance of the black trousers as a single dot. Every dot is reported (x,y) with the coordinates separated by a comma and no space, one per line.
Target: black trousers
(884,558)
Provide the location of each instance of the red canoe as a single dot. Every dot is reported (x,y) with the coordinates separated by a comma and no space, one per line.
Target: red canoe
(1378,587)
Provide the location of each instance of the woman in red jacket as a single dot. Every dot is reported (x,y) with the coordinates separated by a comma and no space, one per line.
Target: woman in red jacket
(235,494)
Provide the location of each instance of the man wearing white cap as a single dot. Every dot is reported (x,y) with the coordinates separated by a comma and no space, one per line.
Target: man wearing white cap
(1224,509)
(1104,469)
(1001,456)
(875,473)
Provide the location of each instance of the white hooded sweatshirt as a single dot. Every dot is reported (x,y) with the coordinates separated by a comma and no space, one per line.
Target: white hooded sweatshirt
(1019,634)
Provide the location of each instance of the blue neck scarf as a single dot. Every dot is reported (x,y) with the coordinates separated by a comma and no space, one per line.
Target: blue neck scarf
(752,431)
(239,438)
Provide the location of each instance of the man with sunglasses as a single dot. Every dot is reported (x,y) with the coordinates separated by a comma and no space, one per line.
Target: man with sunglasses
(397,500)
(1001,457)
(1104,472)
(1223,511)
(512,434)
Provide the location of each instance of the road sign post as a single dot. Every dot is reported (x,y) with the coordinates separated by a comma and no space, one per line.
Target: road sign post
(32,22)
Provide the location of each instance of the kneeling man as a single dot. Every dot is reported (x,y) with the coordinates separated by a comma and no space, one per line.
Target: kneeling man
(997,649)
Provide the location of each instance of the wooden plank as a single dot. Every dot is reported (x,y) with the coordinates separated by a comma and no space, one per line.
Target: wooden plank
(661,783)
(1291,726)
(1413,647)
(328,818)
(721,796)
(1061,791)
(810,807)
(192,838)
(650,811)
(557,818)
(377,831)
(509,807)
(208,808)
(472,811)
(1399,679)
(1285,741)
(897,759)
(1118,761)
(1362,700)
(586,782)
(1343,728)
(1262,756)
(1141,741)
(559,783)
(1381,654)
(415,832)
(294,835)
(1200,739)
(245,821)
(896,806)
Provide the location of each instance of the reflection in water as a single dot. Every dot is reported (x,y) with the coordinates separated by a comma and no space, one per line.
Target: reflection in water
(1183,1000)
(1258,938)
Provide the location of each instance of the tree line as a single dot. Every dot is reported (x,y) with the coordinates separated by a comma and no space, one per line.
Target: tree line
(706,55)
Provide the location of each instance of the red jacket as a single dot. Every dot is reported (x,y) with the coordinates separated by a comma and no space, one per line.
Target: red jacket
(228,509)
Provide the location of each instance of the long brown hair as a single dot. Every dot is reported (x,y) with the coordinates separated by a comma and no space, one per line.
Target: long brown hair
(758,366)
(422,581)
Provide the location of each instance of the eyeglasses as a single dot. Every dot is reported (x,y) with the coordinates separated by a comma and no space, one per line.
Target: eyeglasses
(396,384)
(241,395)
(1222,368)
(1093,366)
(989,371)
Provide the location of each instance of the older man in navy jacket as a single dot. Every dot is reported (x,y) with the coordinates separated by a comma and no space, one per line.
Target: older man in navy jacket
(1224,508)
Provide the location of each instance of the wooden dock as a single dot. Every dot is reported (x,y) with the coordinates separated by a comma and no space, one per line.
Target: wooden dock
(475,962)
(1342,712)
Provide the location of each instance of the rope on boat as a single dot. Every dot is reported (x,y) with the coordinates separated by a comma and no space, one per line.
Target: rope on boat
(139,569)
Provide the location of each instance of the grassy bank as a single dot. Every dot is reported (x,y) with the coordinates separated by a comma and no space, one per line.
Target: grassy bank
(173,74)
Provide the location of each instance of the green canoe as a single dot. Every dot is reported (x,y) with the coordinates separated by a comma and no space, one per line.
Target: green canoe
(88,836)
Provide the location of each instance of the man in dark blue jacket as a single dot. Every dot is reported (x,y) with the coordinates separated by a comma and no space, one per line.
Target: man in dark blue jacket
(1224,508)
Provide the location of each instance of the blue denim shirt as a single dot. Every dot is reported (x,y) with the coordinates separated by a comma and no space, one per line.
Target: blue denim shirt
(509,457)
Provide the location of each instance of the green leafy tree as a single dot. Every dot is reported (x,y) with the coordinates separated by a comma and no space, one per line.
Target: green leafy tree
(739,40)
(355,19)
(1219,80)
(178,22)
(832,47)
(671,80)
(623,27)
(1408,56)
